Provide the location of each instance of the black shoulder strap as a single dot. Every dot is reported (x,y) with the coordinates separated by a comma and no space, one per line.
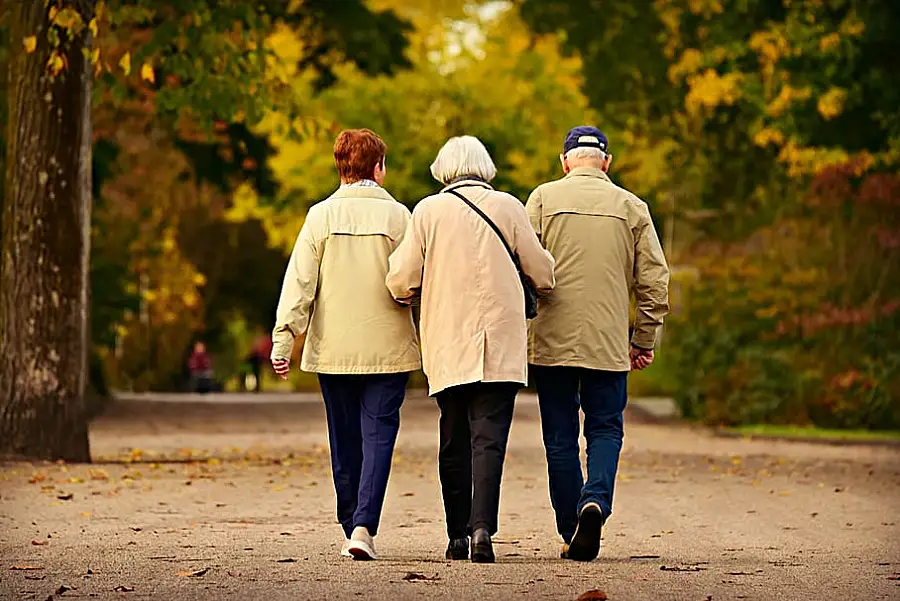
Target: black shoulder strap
(493,225)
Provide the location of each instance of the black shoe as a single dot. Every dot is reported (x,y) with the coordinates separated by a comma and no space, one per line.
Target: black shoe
(458,548)
(585,545)
(482,549)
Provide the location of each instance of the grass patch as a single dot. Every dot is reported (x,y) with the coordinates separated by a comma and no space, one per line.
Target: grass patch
(813,433)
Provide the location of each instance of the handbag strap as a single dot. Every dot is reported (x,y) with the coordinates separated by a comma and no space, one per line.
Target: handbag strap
(493,225)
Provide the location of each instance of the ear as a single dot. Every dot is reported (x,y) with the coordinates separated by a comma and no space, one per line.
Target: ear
(564,163)
(607,163)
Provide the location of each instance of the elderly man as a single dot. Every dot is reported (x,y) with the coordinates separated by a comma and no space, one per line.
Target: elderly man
(359,341)
(605,247)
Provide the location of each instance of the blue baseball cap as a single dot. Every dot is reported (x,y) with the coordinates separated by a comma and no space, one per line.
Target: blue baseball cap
(585,136)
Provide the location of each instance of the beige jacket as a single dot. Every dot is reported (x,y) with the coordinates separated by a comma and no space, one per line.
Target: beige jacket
(605,246)
(334,290)
(473,312)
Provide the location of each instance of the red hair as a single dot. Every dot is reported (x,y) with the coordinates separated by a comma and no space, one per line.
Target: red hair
(357,152)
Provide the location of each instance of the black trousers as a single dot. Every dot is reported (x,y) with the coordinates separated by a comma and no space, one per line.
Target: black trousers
(475,421)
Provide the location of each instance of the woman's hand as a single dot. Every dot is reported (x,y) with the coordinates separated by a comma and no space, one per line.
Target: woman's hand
(281,367)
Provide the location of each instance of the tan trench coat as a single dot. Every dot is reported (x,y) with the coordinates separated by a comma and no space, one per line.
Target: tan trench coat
(334,288)
(605,247)
(472,314)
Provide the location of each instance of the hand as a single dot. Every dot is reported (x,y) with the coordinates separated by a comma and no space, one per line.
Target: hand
(281,367)
(640,358)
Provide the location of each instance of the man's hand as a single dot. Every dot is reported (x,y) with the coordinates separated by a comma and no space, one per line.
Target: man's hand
(281,367)
(640,358)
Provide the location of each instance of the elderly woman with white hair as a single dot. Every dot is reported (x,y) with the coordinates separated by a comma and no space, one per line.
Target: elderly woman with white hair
(473,328)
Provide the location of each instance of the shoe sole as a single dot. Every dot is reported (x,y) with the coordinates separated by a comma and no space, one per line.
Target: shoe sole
(360,553)
(585,545)
(482,556)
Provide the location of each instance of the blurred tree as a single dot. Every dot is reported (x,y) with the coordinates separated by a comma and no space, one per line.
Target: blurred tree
(478,74)
(175,111)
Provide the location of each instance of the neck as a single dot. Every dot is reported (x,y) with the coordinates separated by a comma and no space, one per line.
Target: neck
(590,164)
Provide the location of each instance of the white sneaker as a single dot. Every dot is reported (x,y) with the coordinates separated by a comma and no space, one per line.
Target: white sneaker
(345,549)
(362,545)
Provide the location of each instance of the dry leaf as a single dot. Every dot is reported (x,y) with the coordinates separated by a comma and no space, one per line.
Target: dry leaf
(124,589)
(26,567)
(66,497)
(287,560)
(30,44)
(63,588)
(414,577)
(147,74)
(56,63)
(125,64)
(40,543)
(196,574)
(594,595)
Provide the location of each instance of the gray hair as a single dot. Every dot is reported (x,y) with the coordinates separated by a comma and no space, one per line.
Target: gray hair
(460,156)
(586,152)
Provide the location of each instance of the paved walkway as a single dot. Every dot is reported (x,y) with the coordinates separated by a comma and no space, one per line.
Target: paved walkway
(243,510)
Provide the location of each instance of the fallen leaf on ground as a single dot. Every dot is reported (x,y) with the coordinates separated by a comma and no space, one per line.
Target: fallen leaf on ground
(756,573)
(681,568)
(66,497)
(594,595)
(287,560)
(233,574)
(41,577)
(124,589)
(26,567)
(414,577)
(136,528)
(645,557)
(196,574)
(40,543)
(63,588)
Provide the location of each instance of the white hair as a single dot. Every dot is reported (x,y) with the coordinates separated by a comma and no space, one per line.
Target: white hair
(586,152)
(461,156)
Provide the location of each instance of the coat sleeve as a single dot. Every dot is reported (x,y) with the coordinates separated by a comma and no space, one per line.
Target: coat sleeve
(537,263)
(404,278)
(534,208)
(651,281)
(298,291)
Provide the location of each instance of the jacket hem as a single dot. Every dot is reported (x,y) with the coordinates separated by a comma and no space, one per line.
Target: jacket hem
(578,363)
(361,370)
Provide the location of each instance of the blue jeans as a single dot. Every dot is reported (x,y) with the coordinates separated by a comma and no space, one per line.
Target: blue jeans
(602,396)
(363,414)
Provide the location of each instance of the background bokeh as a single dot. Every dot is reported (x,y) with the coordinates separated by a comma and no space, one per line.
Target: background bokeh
(764,134)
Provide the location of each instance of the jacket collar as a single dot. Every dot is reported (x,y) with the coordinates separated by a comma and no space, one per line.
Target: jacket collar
(588,172)
(467,182)
(362,192)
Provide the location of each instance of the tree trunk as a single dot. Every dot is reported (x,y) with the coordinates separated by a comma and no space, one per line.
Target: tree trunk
(45,244)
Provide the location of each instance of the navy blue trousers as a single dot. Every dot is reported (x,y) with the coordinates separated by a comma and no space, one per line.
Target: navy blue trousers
(363,414)
(602,395)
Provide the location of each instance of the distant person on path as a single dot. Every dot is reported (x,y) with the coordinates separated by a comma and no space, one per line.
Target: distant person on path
(605,247)
(359,341)
(259,354)
(473,329)
(200,369)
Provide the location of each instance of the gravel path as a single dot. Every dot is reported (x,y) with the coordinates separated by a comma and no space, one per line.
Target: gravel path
(233,500)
